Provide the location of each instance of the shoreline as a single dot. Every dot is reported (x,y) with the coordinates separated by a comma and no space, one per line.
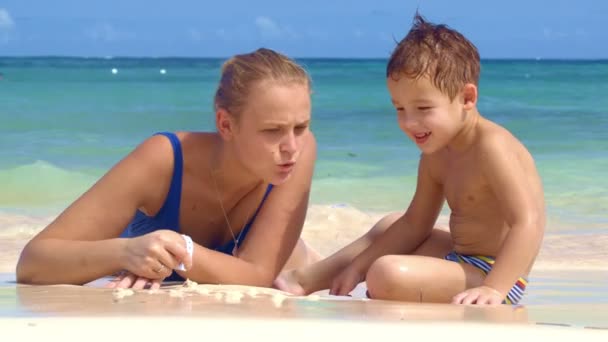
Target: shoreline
(328,228)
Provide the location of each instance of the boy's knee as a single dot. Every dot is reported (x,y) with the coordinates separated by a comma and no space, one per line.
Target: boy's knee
(383,265)
(383,276)
(398,277)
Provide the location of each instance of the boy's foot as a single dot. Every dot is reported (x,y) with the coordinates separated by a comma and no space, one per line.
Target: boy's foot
(287,281)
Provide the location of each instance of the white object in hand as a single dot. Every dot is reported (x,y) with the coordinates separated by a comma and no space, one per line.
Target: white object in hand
(189,249)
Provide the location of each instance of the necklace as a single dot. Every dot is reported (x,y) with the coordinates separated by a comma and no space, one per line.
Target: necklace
(219,198)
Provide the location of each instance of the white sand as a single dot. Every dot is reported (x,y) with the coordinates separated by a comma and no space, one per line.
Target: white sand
(210,329)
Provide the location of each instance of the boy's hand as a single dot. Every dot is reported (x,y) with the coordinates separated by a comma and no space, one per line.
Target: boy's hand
(346,281)
(479,295)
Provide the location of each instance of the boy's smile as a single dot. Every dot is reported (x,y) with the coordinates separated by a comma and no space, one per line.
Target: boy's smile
(421,138)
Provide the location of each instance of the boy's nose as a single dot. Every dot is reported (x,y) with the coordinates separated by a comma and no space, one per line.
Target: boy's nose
(408,124)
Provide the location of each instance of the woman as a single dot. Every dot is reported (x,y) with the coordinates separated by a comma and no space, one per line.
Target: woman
(240,194)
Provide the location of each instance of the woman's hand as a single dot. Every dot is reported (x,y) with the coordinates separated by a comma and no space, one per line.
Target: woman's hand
(129,280)
(154,256)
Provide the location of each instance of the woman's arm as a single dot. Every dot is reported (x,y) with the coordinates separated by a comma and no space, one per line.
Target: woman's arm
(272,237)
(82,243)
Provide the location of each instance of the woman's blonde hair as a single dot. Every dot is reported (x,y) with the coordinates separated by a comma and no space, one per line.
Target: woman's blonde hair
(241,72)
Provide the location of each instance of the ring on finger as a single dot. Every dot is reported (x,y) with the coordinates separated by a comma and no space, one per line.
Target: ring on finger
(160,269)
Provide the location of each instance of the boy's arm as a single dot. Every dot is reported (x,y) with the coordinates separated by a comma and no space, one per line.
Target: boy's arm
(411,229)
(522,209)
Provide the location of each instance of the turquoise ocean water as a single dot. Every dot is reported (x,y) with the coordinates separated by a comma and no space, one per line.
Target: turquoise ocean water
(65,121)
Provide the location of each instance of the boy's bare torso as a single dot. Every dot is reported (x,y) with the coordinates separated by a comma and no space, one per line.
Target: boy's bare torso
(477,224)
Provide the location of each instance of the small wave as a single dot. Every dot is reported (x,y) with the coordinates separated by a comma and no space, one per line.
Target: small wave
(41,184)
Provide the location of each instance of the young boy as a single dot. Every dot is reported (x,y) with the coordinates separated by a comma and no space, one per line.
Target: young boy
(485,174)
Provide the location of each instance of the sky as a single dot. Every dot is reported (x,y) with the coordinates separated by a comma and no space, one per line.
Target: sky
(546,29)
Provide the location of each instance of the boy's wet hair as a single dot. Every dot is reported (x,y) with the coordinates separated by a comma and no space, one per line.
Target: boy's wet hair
(439,52)
(242,72)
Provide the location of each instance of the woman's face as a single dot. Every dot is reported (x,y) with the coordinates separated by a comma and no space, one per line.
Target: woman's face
(271,129)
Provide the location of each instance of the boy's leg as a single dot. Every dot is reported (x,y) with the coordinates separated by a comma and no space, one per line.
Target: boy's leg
(424,277)
(318,276)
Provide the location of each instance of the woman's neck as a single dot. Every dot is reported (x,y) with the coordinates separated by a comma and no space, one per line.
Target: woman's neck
(230,175)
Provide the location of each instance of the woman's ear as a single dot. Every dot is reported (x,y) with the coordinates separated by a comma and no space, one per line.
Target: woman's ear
(224,123)
(469,94)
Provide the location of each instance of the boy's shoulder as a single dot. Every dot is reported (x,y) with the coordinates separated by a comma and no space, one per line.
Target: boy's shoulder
(497,147)
(492,140)
(494,137)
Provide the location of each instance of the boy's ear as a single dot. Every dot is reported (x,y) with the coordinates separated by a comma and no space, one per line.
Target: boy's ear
(469,94)
(224,123)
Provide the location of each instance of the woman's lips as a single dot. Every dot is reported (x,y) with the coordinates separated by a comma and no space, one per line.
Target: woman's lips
(286,167)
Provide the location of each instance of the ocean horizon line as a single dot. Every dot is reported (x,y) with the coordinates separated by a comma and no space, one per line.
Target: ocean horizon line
(321,58)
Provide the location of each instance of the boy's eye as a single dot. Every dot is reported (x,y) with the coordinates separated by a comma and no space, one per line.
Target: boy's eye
(424,108)
(300,129)
(399,109)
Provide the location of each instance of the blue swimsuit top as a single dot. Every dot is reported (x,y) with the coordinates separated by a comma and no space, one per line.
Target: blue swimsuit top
(168,215)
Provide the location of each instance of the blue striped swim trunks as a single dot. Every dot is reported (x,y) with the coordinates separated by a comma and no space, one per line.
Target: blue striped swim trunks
(484,264)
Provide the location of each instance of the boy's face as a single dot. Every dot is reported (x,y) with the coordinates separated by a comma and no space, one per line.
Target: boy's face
(424,113)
